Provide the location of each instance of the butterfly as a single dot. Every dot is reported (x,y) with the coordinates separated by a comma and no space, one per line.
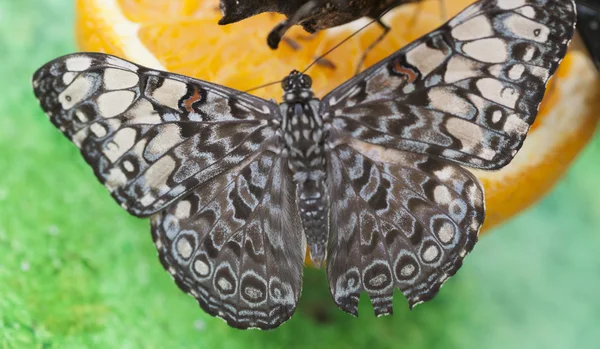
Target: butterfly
(313,15)
(369,178)
(588,25)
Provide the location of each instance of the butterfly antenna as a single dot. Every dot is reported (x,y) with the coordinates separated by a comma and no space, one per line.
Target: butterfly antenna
(346,39)
(326,53)
(261,86)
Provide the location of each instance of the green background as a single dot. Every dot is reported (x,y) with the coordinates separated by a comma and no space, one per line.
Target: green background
(77,272)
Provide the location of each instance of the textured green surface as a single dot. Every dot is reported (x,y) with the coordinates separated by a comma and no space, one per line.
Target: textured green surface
(77,272)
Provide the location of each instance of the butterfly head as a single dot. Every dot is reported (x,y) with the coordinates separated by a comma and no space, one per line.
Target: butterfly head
(296,87)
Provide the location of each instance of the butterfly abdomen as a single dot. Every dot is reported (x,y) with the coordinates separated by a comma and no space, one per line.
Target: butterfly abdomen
(313,207)
(304,141)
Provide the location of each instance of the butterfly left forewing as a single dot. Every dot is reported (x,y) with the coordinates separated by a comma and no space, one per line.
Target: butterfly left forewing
(150,136)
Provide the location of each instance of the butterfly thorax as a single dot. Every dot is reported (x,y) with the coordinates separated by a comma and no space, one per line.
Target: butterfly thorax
(302,130)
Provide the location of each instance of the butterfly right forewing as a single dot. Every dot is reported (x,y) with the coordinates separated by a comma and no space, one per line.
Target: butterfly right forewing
(468,91)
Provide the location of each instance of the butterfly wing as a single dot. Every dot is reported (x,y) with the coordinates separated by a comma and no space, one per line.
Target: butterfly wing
(150,136)
(206,156)
(466,92)
(398,219)
(236,244)
(404,213)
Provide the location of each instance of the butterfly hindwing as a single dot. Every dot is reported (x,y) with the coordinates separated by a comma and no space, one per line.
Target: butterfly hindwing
(398,219)
(150,136)
(236,245)
(466,92)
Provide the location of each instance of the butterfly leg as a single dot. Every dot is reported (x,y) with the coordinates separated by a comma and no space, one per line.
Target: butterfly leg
(294,45)
(386,30)
(303,12)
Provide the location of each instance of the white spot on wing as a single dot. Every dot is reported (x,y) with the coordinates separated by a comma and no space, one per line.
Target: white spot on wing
(431,253)
(77,91)
(407,270)
(469,134)
(122,141)
(224,284)
(201,268)
(495,90)
(147,200)
(493,50)
(167,138)
(117,79)
(446,101)
(526,28)
(540,72)
(81,116)
(441,195)
(170,93)
(445,173)
(446,232)
(80,136)
(98,130)
(425,59)
(143,112)
(115,179)
(527,11)
(460,68)
(475,28)
(515,125)
(78,63)
(113,103)
(496,116)
(510,4)
(156,175)
(516,71)
(182,210)
(529,51)
(128,166)
(184,248)
(68,77)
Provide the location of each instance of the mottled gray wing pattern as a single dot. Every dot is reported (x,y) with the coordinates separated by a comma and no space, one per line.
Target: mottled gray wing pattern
(150,136)
(236,243)
(404,213)
(466,92)
(398,219)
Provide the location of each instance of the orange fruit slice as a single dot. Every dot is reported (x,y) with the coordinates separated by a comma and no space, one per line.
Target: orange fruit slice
(182,36)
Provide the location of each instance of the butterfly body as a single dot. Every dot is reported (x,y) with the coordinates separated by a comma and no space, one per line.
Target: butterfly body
(317,14)
(370,177)
(340,12)
(304,134)
(312,15)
